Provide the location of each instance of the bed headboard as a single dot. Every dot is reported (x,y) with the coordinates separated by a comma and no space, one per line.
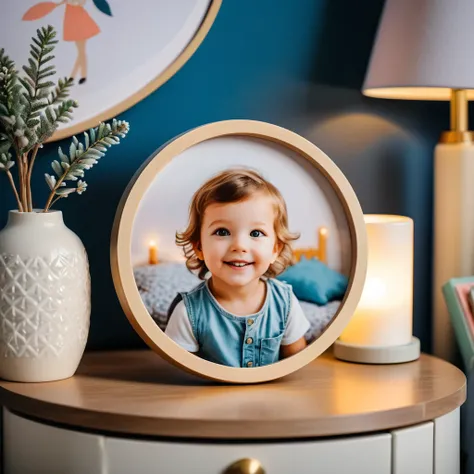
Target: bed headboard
(318,252)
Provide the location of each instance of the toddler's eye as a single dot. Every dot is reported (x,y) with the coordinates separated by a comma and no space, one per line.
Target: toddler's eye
(221,232)
(257,233)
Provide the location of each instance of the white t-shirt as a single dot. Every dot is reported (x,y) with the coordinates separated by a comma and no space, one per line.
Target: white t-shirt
(179,327)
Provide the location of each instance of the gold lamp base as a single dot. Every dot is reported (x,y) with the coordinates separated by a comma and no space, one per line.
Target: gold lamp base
(377,355)
(459,119)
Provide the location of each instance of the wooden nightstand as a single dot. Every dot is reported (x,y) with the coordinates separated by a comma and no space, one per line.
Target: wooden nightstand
(126,412)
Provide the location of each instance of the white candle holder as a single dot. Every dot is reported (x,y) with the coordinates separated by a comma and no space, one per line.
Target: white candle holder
(380,331)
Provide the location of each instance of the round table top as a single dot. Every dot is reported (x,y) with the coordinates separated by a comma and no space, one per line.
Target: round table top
(137,393)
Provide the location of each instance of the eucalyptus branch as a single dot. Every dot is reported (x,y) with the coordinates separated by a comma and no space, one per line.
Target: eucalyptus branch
(82,157)
(36,91)
(61,92)
(49,122)
(31,109)
(42,104)
(9,102)
(7,76)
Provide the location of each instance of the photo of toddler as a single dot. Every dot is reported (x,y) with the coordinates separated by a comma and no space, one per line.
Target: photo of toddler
(237,240)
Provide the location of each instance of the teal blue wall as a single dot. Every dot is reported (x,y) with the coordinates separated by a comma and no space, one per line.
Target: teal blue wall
(299,64)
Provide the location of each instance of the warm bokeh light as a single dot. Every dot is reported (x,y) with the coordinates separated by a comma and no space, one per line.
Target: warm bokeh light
(152,252)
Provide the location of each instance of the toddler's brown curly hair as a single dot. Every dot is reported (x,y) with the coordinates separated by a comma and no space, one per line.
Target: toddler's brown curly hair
(230,186)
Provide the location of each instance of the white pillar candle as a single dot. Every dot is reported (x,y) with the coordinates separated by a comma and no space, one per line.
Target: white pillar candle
(384,314)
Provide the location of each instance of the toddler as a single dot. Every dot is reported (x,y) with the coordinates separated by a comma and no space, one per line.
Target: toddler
(239,316)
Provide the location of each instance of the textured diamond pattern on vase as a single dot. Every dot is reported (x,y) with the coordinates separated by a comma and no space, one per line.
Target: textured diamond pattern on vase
(44,303)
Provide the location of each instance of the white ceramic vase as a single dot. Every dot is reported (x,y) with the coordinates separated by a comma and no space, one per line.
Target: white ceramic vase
(44,298)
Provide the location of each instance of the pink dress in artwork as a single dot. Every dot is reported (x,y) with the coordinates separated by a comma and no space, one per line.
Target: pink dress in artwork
(78,24)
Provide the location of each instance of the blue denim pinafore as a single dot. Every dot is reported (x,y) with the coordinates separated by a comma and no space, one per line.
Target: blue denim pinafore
(239,341)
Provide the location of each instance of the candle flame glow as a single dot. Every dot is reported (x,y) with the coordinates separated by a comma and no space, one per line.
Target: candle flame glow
(374,293)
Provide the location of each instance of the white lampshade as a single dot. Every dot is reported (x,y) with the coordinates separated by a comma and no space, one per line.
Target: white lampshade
(423,49)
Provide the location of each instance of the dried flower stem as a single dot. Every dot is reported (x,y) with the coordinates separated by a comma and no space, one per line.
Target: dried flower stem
(49,202)
(10,177)
(19,161)
(28,177)
(22,161)
(25,171)
(54,200)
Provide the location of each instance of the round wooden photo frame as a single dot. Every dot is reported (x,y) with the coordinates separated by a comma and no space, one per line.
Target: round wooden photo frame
(121,243)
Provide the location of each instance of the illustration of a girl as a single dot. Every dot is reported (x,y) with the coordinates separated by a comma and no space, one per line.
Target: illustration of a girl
(78,27)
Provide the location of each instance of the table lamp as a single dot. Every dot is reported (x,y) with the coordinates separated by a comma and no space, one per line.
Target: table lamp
(423,50)
(380,331)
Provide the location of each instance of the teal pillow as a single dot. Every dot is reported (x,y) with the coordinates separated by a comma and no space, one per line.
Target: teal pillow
(314,281)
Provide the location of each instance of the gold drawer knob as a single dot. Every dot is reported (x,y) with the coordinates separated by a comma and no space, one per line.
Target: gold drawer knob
(245,466)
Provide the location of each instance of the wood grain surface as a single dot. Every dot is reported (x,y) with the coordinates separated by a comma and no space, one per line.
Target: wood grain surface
(136,392)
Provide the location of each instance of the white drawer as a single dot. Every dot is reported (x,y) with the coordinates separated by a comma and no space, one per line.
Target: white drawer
(356,455)
(413,449)
(34,448)
(447,443)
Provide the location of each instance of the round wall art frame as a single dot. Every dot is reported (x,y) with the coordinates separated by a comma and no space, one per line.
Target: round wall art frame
(118,52)
(149,269)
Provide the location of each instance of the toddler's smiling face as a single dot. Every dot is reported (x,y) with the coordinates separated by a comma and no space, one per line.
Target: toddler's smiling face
(238,240)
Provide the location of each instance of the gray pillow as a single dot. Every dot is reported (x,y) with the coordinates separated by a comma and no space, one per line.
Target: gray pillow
(159,284)
(318,317)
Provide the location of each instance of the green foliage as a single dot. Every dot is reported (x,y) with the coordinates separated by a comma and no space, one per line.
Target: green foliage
(82,157)
(6,161)
(8,76)
(31,108)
